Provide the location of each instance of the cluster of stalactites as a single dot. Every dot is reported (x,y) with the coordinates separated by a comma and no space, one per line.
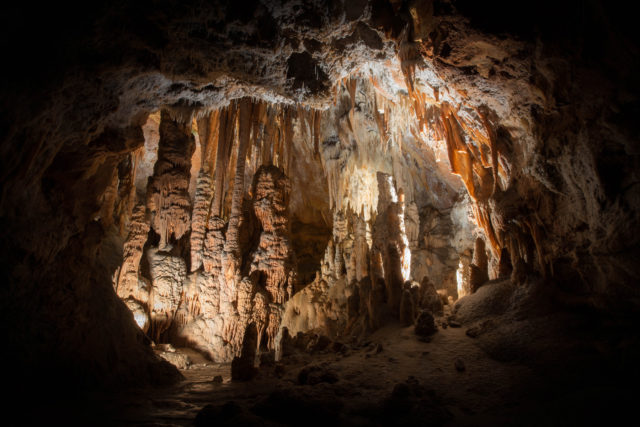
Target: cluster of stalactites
(240,277)
(168,198)
(258,134)
(480,156)
(364,134)
(240,253)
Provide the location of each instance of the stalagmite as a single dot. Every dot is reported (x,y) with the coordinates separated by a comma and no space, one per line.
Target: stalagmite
(168,274)
(273,255)
(462,275)
(388,239)
(478,272)
(429,298)
(130,285)
(407,308)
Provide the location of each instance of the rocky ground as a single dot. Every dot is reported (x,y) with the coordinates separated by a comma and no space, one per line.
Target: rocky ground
(485,365)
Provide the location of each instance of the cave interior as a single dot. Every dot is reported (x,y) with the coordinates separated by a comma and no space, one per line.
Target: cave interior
(354,212)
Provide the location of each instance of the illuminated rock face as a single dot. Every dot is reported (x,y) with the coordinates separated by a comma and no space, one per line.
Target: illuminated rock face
(168,191)
(489,132)
(130,286)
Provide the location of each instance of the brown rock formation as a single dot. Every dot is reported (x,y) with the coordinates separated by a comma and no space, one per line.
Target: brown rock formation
(387,240)
(479,268)
(200,217)
(517,128)
(168,191)
(273,256)
(130,285)
(168,274)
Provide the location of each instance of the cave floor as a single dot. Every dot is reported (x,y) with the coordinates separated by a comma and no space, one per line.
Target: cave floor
(449,380)
(484,391)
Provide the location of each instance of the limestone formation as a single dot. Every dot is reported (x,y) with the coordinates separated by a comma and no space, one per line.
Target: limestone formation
(168,196)
(273,257)
(200,217)
(428,297)
(168,274)
(382,141)
(478,273)
(130,284)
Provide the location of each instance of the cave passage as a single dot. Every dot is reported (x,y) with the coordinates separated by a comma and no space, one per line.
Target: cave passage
(372,212)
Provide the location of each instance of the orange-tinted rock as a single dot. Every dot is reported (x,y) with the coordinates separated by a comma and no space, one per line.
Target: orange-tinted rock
(168,191)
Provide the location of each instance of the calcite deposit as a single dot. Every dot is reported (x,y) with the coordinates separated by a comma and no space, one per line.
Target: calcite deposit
(223,176)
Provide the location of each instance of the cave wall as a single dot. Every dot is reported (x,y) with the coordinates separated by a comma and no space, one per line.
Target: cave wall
(535,113)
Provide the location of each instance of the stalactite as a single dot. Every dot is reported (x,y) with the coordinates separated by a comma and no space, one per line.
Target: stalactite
(244,132)
(168,191)
(200,217)
(288,132)
(316,131)
(209,131)
(108,200)
(225,143)
(126,191)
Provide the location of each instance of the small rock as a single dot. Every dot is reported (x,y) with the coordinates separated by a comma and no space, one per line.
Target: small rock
(473,332)
(454,324)
(425,324)
(242,369)
(217,379)
(287,343)
(410,403)
(338,347)
(279,370)
(320,343)
(459,364)
(179,360)
(312,375)
(302,340)
(379,348)
(267,358)
(165,347)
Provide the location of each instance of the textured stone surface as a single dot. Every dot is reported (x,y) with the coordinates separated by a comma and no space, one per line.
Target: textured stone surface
(526,121)
(168,190)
